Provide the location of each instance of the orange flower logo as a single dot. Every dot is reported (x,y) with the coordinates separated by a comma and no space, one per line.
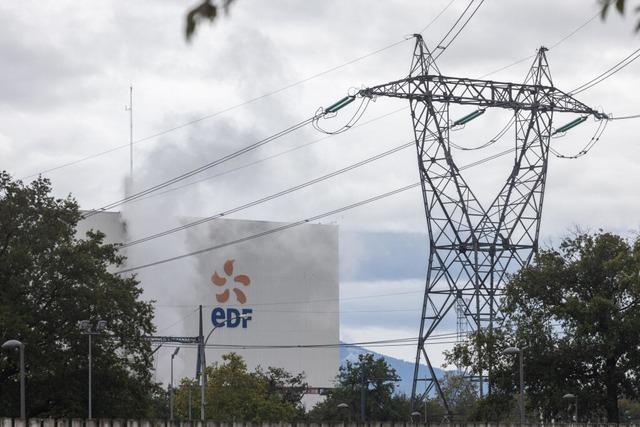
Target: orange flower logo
(217,280)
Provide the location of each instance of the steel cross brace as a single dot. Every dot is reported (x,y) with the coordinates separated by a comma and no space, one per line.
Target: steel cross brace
(472,249)
(168,339)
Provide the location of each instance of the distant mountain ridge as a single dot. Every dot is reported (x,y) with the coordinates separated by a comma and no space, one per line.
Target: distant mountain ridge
(403,369)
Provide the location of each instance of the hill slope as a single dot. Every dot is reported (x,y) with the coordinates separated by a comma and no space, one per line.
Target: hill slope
(403,369)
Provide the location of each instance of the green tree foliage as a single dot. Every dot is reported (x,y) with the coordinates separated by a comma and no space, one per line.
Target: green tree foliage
(460,394)
(620,7)
(233,393)
(377,379)
(461,397)
(206,10)
(49,281)
(576,312)
(629,411)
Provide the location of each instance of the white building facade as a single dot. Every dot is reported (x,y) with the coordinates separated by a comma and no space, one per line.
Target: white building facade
(286,283)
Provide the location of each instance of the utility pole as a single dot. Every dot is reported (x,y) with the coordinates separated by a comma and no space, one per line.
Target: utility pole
(90,409)
(175,353)
(85,326)
(363,397)
(129,108)
(190,393)
(202,363)
(10,345)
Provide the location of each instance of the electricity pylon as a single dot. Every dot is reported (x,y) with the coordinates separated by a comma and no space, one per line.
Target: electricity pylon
(472,248)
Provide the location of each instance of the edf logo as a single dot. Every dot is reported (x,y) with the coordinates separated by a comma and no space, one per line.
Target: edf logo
(230,317)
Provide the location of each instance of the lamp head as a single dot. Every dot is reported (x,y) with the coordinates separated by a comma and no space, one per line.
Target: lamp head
(101,326)
(342,406)
(569,396)
(11,344)
(84,325)
(415,414)
(511,350)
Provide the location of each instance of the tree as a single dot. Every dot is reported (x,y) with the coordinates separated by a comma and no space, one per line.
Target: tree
(576,313)
(286,387)
(206,10)
(460,394)
(372,379)
(620,7)
(235,394)
(49,281)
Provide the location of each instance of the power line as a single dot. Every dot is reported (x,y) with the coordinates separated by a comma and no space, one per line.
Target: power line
(253,163)
(442,45)
(436,339)
(274,230)
(296,188)
(636,116)
(271,93)
(322,113)
(236,106)
(301,186)
(202,168)
(310,301)
(562,40)
(300,222)
(608,73)
(396,310)
(314,346)
(271,196)
(306,301)
(394,342)
(217,113)
(302,347)
(589,145)
(445,47)
(181,320)
(436,17)
(492,141)
(556,44)
(513,64)
(234,155)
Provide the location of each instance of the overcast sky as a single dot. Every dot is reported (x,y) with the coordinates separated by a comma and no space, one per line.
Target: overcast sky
(67,67)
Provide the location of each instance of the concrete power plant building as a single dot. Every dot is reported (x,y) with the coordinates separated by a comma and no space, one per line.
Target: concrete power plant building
(287,282)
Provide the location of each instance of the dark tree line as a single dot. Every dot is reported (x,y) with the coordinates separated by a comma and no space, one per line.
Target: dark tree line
(49,281)
(576,314)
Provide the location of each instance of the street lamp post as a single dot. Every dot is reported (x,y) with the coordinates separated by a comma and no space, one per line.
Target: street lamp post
(190,417)
(171,386)
(518,351)
(10,345)
(575,408)
(203,379)
(85,326)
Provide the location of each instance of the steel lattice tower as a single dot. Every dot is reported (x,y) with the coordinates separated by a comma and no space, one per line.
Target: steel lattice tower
(473,248)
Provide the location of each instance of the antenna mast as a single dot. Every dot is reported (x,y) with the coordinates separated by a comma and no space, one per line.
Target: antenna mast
(129,108)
